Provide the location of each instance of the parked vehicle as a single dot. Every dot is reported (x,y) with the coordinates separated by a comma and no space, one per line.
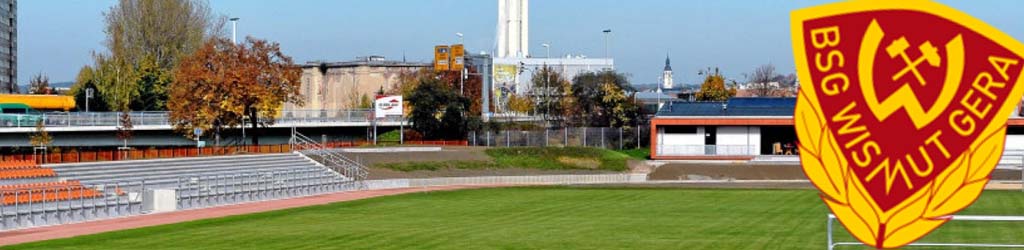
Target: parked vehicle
(18,115)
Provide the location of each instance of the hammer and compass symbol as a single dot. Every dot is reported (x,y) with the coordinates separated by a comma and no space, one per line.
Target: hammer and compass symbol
(904,97)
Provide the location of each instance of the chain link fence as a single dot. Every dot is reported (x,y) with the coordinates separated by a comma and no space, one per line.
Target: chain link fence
(601,137)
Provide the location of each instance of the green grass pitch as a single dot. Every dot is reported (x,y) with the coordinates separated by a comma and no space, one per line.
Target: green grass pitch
(541,218)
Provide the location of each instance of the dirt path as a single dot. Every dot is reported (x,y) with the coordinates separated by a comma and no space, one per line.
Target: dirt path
(100,226)
(745,171)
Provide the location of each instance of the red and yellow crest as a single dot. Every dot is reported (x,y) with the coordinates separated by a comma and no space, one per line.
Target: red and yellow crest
(902,111)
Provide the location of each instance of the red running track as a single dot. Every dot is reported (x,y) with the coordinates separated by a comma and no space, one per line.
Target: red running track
(107,225)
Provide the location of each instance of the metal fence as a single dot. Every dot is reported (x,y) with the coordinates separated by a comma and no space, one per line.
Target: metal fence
(603,137)
(833,243)
(208,191)
(29,208)
(25,208)
(160,118)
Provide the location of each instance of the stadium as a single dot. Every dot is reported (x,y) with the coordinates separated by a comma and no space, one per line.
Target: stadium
(178,137)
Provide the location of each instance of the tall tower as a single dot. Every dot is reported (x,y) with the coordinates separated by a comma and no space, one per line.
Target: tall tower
(666,76)
(513,28)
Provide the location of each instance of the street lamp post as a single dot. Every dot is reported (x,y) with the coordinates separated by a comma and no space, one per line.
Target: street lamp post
(234,22)
(606,32)
(88,95)
(462,73)
(547,47)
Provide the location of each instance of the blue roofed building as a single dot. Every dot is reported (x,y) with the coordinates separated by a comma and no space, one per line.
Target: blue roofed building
(745,127)
(740,128)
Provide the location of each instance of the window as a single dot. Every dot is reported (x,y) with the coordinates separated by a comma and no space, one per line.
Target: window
(680,130)
(15,111)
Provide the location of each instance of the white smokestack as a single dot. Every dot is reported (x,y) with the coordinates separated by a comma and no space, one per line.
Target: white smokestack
(513,28)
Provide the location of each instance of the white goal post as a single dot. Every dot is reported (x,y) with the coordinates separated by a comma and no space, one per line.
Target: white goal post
(832,244)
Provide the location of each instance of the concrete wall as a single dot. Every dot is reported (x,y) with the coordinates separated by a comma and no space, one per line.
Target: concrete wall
(342,87)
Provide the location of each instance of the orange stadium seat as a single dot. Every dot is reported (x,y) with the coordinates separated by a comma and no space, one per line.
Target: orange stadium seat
(18,164)
(50,191)
(26,173)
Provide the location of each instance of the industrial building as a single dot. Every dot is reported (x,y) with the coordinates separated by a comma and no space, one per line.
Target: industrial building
(8,46)
(508,70)
(335,86)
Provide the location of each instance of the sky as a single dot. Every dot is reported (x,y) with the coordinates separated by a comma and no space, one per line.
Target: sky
(57,37)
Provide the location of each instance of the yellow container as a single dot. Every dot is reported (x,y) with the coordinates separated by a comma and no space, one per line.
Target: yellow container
(42,102)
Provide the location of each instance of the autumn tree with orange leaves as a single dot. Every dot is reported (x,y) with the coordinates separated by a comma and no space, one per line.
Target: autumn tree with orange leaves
(221,83)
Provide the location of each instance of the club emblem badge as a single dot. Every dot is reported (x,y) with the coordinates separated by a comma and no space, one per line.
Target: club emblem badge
(901,112)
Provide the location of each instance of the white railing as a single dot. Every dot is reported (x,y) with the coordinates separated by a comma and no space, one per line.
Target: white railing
(508,180)
(328,157)
(706,150)
(23,208)
(832,243)
(160,118)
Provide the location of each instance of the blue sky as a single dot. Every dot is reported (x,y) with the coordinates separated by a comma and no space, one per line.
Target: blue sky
(56,37)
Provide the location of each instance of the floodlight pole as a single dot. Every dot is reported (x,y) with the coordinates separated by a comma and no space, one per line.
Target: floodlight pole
(606,32)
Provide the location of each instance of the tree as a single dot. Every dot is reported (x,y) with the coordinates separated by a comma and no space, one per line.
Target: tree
(761,81)
(161,31)
(39,85)
(86,80)
(590,90)
(549,87)
(40,138)
(151,83)
(713,88)
(520,104)
(223,82)
(468,87)
(620,109)
(124,128)
(569,106)
(471,86)
(366,102)
(438,112)
(145,40)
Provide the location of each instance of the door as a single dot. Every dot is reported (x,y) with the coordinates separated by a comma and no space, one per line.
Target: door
(710,136)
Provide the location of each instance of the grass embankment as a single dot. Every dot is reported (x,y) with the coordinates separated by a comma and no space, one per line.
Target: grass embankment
(546,158)
(637,153)
(541,218)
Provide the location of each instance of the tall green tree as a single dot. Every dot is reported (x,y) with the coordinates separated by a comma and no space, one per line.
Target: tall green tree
(595,109)
(145,40)
(438,111)
(713,88)
(549,87)
(85,80)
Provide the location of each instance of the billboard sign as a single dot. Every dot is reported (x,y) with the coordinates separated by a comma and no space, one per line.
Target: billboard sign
(441,57)
(386,106)
(458,54)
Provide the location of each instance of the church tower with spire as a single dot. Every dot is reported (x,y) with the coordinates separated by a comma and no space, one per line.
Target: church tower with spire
(666,76)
